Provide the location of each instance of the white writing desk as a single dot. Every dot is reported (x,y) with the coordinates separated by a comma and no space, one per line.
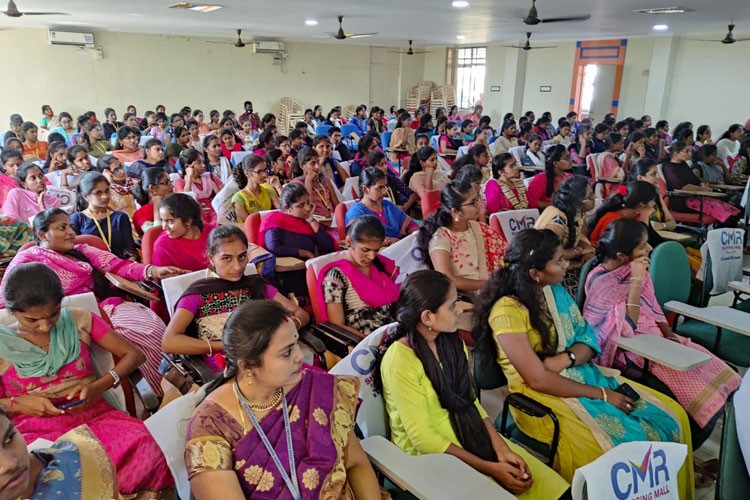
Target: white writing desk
(665,352)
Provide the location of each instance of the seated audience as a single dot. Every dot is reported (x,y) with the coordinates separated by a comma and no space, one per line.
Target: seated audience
(477,155)
(454,243)
(507,139)
(94,217)
(254,194)
(521,321)
(202,185)
(184,240)
(709,168)
(728,147)
(10,161)
(637,203)
(49,119)
(31,197)
(533,156)
(505,190)
(608,164)
(202,310)
(181,142)
(330,167)
(120,185)
(152,187)
(396,190)
(127,149)
(154,157)
(620,302)
(111,125)
(430,397)
(96,145)
(48,365)
(264,373)
(556,169)
(374,185)
(359,291)
(367,144)
(403,138)
(423,174)
(77,164)
(566,218)
(215,162)
(661,219)
(449,143)
(56,158)
(229,143)
(306,171)
(334,133)
(33,148)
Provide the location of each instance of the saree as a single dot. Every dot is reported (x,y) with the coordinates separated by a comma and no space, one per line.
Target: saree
(6,184)
(702,391)
(13,235)
(280,220)
(475,257)
(501,196)
(321,416)
(132,320)
(138,460)
(76,466)
(588,427)
(608,167)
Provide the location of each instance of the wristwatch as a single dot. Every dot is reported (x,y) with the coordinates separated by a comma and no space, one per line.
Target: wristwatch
(571,356)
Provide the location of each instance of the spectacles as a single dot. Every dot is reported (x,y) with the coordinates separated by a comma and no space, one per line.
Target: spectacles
(473,203)
(118,170)
(258,172)
(164,183)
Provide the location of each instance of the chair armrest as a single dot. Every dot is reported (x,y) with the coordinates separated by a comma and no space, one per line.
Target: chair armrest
(535,409)
(317,346)
(665,352)
(430,476)
(336,339)
(739,287)
(144,391)
(719,316)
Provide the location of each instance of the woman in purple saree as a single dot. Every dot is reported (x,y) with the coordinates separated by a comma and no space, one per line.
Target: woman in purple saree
(269,429)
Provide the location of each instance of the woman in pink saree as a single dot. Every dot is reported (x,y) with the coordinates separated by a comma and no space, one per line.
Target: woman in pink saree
(49,384)
(269,429)
(620,302)
(81,269)
(11,160)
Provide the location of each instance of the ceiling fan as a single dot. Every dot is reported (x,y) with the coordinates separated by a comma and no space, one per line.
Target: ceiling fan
(527,45)
(728,39)
(532,18)
(341,35)
(409,52)
(12,11)
(239,43)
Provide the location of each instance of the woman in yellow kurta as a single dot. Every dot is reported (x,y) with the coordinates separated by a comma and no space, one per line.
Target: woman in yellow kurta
(422,420)
(545,349)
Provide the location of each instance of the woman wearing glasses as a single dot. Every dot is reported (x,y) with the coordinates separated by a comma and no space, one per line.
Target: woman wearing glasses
(153,186)
(254,194)
(128,149)
(456,244)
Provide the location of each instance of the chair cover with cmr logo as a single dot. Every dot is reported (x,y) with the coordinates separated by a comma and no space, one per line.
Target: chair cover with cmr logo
(407,256)
(725,248)
(511,222)
(632,471)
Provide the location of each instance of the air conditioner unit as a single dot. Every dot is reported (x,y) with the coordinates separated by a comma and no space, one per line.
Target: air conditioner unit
(268,47)
(70,38)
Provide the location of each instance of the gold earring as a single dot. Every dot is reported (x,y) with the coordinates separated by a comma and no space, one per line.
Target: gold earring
(429,327)
(249,379)
(537,280)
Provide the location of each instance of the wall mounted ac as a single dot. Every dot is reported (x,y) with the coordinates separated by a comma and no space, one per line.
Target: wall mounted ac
(70,38)
(268,47)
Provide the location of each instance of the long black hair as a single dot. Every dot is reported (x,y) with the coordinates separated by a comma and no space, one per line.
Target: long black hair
(553,155)
(452,196)
(415,165)
(149,177)
(248,164)
(638,193)
(622,236)
(31,285)
(247,334)
(450,375)
(530,249)
(87,184)
(568,199)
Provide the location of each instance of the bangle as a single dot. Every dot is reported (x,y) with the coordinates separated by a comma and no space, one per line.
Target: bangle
(12,401)
(149,273)
(210,348)
(604,394)
(634,305)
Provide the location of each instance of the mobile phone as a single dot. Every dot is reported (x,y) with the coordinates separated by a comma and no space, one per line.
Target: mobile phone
(628,391)
(72,404)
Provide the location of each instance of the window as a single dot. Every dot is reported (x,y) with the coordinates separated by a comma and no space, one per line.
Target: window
(470,69)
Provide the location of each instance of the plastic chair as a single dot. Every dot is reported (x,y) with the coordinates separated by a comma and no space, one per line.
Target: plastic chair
(385,140)
(670,273)
(585,270)
(462,151)
(489,375)
(733,481)
(508,223)
(252,227)
(322,129)
(434,142)
(113,139)
(517,152)
(340,215)
(430,202)
(346,135)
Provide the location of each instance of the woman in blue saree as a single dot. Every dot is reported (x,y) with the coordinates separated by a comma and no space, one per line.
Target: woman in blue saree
(532,326)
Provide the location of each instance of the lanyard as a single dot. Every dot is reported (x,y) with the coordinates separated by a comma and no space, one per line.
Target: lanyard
(108,238)
(321,195)
(292,484)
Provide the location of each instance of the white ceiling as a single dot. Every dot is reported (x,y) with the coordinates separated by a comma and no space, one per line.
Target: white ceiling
(428,22)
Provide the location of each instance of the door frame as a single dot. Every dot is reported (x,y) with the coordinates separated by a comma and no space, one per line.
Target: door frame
(600,52)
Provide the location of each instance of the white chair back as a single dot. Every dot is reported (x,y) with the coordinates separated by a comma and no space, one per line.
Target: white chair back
(351,186)
(638,469)
(101,358)
(67,197)
(462,151)
(93,160)
(222,203)
(319,263)
(144,138)
(348,204)
(347,166)
(513,222)
(372,418)
(724,246)
(175,286)
(238,156)
(406,255)
(517,152)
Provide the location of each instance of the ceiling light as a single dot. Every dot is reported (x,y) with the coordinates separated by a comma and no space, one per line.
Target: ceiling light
(660,27)
(203,8)
(460,4)
(460,37)
(311,22)
(663,10)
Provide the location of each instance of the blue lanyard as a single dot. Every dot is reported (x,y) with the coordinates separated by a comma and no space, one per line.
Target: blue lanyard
(292,484)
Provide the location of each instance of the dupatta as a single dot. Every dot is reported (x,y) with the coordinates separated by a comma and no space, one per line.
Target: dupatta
(377,290)
(321,416)
(280,220)
(651,420)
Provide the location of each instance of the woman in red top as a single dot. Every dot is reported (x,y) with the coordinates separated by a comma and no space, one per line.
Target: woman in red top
(153,186)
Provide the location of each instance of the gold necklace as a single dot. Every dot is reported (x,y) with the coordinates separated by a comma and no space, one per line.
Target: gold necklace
(267,405)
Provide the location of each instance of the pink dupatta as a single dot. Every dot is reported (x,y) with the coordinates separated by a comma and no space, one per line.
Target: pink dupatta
(377,290)
(702,391)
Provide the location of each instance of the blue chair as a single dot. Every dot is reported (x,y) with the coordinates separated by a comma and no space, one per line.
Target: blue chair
(322,129)
(385,140)
(113,139)
(346,134)
(434,140)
